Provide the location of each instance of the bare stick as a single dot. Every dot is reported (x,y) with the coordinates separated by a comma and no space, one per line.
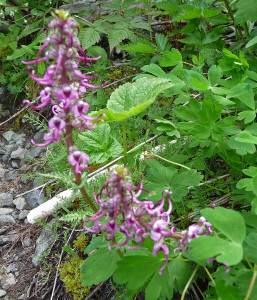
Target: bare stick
(59,262)
(18,112)
(36,188)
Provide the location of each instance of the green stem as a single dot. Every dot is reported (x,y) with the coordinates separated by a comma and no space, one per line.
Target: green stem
(124,142)
(251,284)
(209,274)
(188,283)
(237,27)
(214,188)
(169,161)
(247,260)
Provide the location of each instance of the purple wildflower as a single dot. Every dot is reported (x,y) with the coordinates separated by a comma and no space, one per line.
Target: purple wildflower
(65,86)
(136,219)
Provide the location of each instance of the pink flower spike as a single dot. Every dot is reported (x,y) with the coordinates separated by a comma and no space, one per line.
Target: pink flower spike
(33,106)
(41,145)
(84,83)
(93,58)
(34,61)
(42,49)
(59,62)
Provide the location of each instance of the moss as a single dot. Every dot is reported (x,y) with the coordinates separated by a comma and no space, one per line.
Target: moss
(70,275)
(80,243)
(18,124)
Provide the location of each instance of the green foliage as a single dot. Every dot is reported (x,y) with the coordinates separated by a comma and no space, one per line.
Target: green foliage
(99,266)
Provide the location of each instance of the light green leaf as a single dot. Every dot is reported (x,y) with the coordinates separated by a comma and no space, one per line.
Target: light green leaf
(132,98)
(248,99)
(246,137)
(136,270)
(138,47)
(116,36)
(248,116)
(227,221)
(170,58)
(99,266)
(196,80)
(155,70)
(231,224)
(246,11)
(250,246)
(214,75)
(88,37)
(99,144)
(252,42)
(241,148)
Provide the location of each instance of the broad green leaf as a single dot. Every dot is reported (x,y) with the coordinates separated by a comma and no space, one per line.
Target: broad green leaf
(132,98)
(170,58)
(246,11)
(99,266)
(214,75)
(100,145)
(175,276)
(248,99)
(155,70)
(250,246)
(96,243)
(167,127)
(138,47)
(231,224)
(205,247)
(246,137)
(187,178)
(227,221)
(196,81)
(241,148)
(88,37)
(227,292)
(248,116)
(222,100)
(243,281)
(136,270)
(252,42)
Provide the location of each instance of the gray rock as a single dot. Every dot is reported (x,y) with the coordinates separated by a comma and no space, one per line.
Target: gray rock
(15,165)
(35,152)
(6,211)
(19,203)
(12,268)
(26,242)
(2,293)
(5,157)
(2,173)
(18,136)
(35,198)
(11,175)
(7,219)
(7,280)
(19,153)
(44,241)
(3,229)
(6,199)
(23,214)
(9,135)
(39,136)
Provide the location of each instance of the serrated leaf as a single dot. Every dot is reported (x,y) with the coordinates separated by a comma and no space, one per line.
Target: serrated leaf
(161,41)
(99,266)
(227,292)
(132,98)
(88,37)
(136,270)
(170,58)
(100,145)
(138,47)
(116,36)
